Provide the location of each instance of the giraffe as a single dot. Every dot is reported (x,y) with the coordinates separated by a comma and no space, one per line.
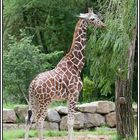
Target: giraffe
(63,82)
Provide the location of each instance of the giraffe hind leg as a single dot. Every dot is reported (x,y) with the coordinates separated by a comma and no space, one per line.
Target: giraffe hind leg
(28,122)
(40,117)
(40,126)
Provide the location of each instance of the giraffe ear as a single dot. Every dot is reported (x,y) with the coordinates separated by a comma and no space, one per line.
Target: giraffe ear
(91,14)
(90,10)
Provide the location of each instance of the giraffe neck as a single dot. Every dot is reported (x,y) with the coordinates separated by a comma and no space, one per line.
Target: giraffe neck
(76,53)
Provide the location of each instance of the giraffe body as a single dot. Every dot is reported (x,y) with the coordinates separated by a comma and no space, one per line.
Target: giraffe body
(61,83)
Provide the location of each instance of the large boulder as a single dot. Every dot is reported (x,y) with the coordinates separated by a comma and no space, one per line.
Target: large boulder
(9,116)
(111,119)
(63,123)
(93,120)
(51,126)
(88,108)
(48,126)
(78,121)
(62,110)
(21,112)
(53,116)
(104,107)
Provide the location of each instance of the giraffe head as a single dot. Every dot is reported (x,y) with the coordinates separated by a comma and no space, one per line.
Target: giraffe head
(92,18)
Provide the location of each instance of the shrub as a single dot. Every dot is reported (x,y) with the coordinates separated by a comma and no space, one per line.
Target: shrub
(87,89)
(22,62)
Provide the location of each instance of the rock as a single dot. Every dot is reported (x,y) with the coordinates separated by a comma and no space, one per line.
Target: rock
(8,126)
(21,112)
(88,108)
(111,119)
(53,116)
(105,107)
(63,123)
(92,120)
(9,115)
(47,126)
(78,121)
(51,126)
(62,110)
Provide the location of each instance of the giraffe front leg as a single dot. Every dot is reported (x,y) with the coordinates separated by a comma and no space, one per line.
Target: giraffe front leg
(70,120)
(70,123)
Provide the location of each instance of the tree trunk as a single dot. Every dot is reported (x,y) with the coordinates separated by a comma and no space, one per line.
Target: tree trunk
(123,90)
(124,112)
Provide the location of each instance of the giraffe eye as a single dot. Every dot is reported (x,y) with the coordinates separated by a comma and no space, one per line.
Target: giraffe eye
(92,19)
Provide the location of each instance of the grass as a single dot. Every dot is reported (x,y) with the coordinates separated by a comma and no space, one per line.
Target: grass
(13,134)
(11,105)
(19,133)
(58,103)
(52,105)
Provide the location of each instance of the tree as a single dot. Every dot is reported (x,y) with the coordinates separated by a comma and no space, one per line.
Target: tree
(124,110)
(22,62)
(107,53)
(50,23)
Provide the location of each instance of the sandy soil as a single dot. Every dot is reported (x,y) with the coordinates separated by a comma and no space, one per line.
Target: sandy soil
(87,137)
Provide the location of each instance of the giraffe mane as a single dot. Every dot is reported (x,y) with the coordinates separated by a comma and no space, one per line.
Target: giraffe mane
(74,35)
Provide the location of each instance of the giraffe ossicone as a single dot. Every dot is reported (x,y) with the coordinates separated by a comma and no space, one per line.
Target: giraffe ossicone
(63,82)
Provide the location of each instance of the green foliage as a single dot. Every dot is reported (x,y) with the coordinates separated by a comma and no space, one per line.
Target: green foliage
(51,22)
(11,105)
(22,61)
(107,49)
(50,25)
(87,90)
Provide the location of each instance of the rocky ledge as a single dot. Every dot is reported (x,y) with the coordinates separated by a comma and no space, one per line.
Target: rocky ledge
(89,115)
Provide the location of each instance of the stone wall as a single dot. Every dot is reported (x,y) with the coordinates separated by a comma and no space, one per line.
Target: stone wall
(89,115)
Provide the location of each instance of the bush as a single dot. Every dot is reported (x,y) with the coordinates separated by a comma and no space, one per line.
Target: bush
(87,90)
(22,62)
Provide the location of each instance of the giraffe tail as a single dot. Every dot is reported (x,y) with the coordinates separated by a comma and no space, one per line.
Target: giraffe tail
(29,116)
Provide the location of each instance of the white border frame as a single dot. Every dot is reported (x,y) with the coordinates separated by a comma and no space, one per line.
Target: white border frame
(1,56)
(138,68)
(1,135)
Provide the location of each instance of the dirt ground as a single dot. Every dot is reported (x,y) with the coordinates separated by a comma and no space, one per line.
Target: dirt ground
(87,137)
